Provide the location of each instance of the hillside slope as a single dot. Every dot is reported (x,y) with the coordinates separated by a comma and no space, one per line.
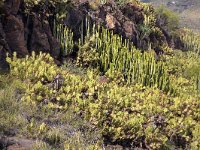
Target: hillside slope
(187,9)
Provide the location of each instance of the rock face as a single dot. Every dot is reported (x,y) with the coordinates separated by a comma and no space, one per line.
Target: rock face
(41,38)
(14,30)
(109,15)
(25,34)
(124,20)
(4,48)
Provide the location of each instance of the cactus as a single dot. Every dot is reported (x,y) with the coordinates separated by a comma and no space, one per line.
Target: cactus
(115,55)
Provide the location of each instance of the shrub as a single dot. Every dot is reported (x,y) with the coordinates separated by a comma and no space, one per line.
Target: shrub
(132,113)
(188,40)
(167,19)
(112,56)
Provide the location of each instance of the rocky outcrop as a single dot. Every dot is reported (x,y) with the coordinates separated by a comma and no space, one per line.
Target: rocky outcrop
(26,33)
(41,38)
(124,20)
(14,27)
(109,15)
(14,30)
(4,48)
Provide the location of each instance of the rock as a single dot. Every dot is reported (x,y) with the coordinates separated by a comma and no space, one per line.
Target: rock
(110,21)
(11,7)
(16,147)
(53,42)
(129,30)
(133,12)
(39,39)
(103,79)
(42,38)
(4,48)
(15,143)
(14,30)
(75,18)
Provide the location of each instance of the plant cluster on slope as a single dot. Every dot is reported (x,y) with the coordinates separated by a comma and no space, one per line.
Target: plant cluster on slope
(112,55)
(143,116)
(46,128)
(126,94)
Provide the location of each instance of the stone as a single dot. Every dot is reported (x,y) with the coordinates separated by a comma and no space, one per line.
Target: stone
(14,31)
(110,21)
(39,39)
(53,42)
(129,29)
(11,7)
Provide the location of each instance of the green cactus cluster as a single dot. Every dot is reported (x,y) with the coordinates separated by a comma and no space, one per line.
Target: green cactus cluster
(149,15)
(190,40)
(112,55)
(65,37)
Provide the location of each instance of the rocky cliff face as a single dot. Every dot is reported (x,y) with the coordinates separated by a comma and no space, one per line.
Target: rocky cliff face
(24,33)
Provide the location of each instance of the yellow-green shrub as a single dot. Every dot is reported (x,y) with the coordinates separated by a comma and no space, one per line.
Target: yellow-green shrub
(189,40)
(35,67)
(140,115)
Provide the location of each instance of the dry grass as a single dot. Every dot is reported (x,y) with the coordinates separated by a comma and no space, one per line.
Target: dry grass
(21,120)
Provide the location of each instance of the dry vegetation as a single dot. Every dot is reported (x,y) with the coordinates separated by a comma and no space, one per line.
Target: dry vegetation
(188,11)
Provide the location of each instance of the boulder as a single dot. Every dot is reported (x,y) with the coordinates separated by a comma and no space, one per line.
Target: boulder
(129,30)
(110,21)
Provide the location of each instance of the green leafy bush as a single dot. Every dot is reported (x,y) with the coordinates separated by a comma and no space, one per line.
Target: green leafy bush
(34,67)
(184,70)
(168,19)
